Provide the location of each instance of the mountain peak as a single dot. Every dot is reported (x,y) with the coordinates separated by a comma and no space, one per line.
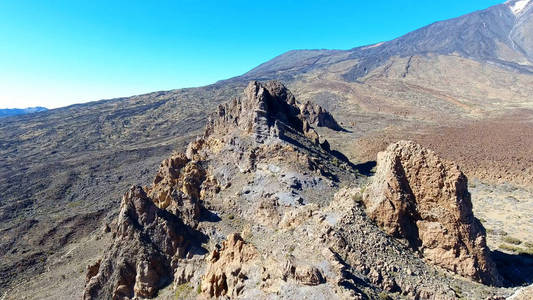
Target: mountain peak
(518,6)
(267,110)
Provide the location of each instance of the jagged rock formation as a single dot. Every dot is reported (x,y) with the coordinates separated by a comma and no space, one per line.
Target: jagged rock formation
(266,110)
(228,267)
(260,169)
(316,115)
(148,241)
(179,186)
(418,196)
(361,252)
(156,223)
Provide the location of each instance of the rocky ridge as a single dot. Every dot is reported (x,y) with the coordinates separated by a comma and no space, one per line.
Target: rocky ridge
(76,162)
(253,209)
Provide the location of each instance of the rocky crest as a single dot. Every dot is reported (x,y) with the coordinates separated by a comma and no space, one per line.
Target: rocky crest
(253,209)
(267,110)
(318,116)
(180,185)
(155,229)
(420,197)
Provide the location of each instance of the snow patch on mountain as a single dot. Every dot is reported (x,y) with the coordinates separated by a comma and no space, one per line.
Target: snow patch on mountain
(518,6)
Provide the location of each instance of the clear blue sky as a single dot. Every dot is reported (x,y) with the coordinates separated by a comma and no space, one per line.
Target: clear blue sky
(58,52)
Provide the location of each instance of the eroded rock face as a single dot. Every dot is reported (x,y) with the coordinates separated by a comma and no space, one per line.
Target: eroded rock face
(147,242)
(261,167)
(307,275)
(179,186)
(266,110)
(418,196)
(228,268)
(317,115)
(155,224)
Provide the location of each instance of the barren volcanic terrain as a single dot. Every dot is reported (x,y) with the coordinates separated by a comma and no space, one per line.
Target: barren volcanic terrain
(247,209)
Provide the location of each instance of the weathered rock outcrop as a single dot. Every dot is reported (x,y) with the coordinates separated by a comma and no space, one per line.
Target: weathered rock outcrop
(261,168)
(317,115)
(418,196)
(266,110)
(179,186)
(307,275)
(155,224)
(148,241)
(228,267)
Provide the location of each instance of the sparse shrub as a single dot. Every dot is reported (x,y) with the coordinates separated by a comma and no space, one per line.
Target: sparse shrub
(74,204)
(458,291)
(528,251)
(291,248)
(199,288)
(516,249)
(358,198)
(384,296)
(509,247)
(506,247)
(512,240)
(513,198)
(182,290)
(363,189)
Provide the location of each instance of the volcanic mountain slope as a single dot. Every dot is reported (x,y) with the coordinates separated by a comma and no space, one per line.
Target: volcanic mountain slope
(254,209)
(463,69)
(446,76)
(499,35)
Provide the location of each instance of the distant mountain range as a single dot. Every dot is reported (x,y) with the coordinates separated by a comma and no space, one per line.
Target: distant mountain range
(4,112)
(501,35)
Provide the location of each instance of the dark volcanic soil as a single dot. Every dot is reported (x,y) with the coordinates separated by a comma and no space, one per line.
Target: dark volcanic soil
(493,150)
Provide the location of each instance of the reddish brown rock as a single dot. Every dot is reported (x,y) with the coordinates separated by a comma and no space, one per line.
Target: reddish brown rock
(92,270)
(228,267)
(418,196)
(179,186)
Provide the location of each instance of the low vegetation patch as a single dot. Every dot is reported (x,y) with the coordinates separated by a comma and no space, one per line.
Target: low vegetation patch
(183,290)
(512,240)
(516,249)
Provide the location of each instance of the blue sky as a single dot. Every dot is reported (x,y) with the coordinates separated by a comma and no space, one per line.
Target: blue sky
(59,52)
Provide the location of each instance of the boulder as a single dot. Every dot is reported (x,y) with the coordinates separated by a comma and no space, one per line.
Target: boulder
(420,197)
